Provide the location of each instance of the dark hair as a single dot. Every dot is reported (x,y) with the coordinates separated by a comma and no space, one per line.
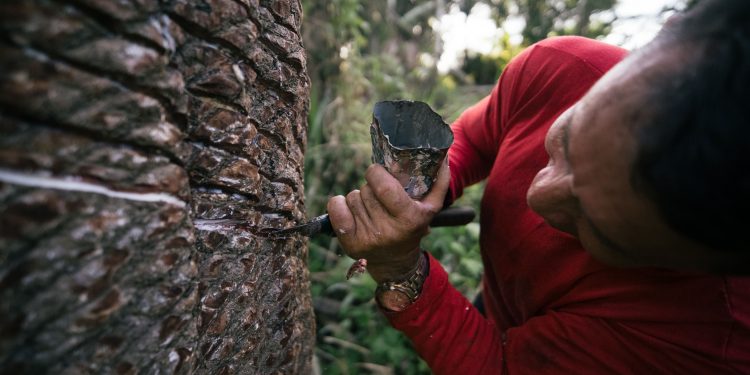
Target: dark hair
(693,156)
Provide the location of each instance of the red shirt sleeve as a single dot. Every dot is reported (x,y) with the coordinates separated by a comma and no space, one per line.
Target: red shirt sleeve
(447,331)
(475,144)
(454,338)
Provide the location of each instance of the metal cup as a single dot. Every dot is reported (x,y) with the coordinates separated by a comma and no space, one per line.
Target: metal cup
(410,140)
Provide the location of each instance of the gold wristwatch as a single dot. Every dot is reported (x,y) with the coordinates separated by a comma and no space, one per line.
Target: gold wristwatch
(399,294)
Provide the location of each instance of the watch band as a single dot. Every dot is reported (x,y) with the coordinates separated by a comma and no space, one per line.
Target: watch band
(411,284)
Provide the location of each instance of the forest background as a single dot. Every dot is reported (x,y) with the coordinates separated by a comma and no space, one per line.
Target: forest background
(361,52)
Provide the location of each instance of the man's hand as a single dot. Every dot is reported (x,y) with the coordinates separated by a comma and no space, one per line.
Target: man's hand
(381,223)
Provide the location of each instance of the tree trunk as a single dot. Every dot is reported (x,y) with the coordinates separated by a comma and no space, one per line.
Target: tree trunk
(129,131)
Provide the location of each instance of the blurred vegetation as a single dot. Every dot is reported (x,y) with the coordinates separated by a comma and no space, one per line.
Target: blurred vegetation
(569,17)
(361,52)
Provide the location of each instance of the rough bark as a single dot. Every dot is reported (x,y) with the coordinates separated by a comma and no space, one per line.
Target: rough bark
(126,128)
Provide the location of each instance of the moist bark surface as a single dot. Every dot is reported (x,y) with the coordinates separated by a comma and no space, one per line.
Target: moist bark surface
(131,132)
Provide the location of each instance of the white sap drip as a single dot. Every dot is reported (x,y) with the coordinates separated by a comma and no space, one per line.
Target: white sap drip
(68,184)
(214,224)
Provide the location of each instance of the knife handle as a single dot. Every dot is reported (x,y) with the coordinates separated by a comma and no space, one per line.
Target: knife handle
(448,217)
(453,217)
(326,227)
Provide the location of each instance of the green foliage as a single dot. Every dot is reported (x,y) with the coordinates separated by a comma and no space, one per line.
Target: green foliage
(485,69)
(546,18)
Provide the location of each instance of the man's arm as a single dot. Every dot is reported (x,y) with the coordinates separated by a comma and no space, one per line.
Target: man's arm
(382,224)
(453,338)
(447,331)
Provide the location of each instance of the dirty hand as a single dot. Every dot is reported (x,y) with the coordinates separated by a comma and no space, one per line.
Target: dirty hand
(382,224)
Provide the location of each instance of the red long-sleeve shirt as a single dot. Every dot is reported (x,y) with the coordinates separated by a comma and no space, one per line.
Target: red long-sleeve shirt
(551,307)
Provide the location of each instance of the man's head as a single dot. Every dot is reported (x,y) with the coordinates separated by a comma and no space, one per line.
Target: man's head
(651,167)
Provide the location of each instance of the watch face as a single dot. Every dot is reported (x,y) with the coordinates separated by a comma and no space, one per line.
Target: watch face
(393,300)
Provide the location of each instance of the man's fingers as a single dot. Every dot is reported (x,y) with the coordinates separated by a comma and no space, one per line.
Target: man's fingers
(361,218)
(388,190)
(433,201)
(394,199)
(374,208)
(341,217)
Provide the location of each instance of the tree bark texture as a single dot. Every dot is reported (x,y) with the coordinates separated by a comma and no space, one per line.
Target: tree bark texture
(132,133)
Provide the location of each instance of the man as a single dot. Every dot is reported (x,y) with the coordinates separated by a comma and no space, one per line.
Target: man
(644,168)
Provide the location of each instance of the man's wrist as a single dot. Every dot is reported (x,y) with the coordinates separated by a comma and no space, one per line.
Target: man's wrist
(398,294)
(395,269)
